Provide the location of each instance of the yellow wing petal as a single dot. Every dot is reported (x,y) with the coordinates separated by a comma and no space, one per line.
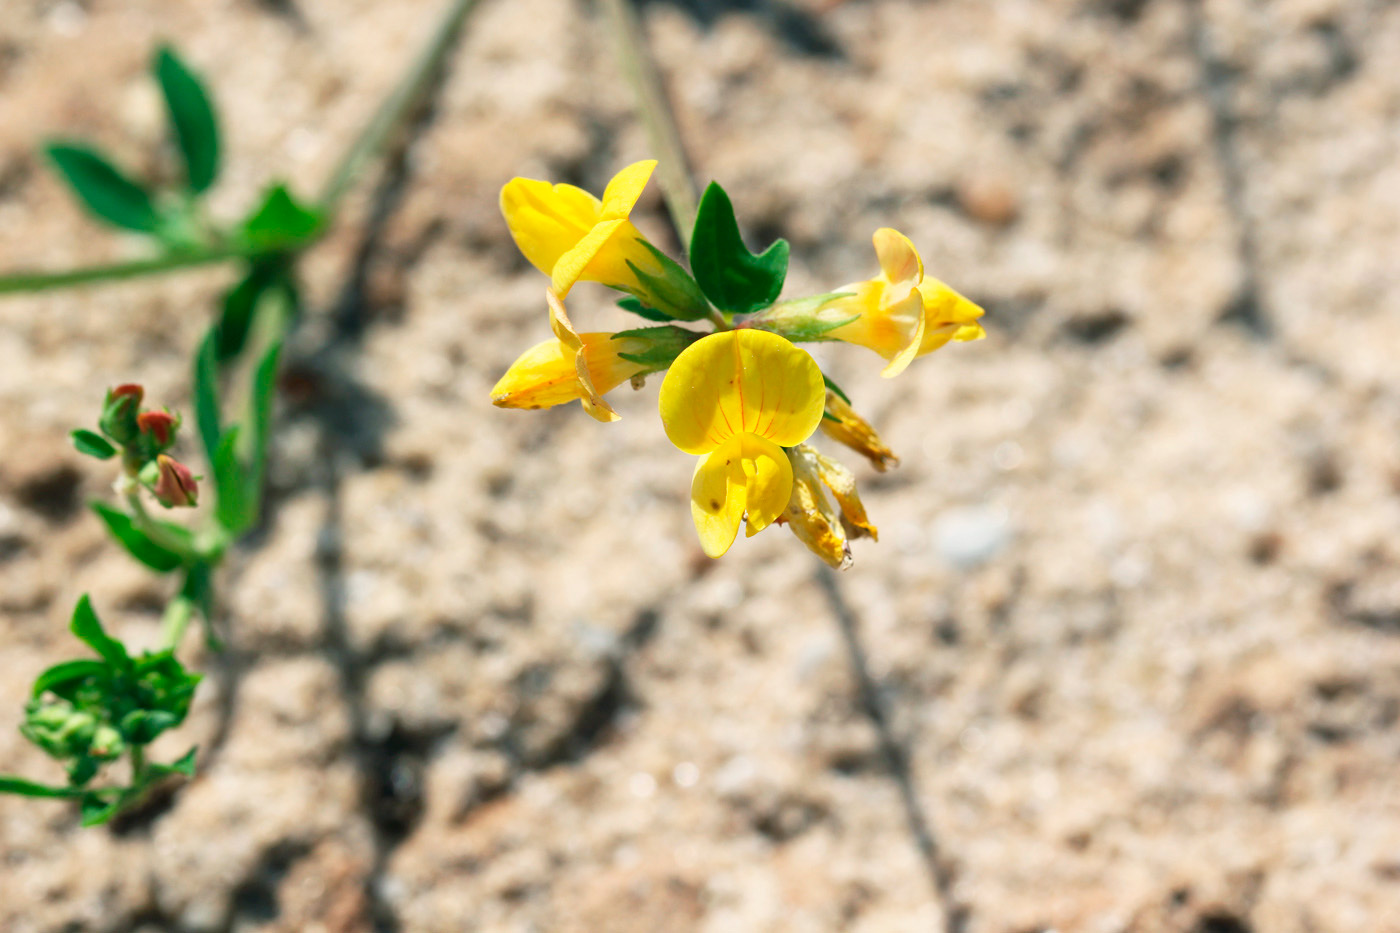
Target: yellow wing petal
(564,331)
(547,220)
(767,481)
(736,382)
(570,267)
(899,260)
(625,188)
(717,493)
(910,307)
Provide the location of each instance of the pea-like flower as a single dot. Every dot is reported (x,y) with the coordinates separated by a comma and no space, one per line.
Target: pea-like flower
(175,485)
(736,399)
(904,315)
(547,374)
(572,236)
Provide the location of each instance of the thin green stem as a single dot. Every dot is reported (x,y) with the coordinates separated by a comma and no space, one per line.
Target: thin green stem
(153,529)
(138,764)
(178,613)
(392,114)
(674,172)
(45,281)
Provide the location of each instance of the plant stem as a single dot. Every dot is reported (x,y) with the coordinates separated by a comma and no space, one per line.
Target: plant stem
(391,115)
(44,281)
(178,613)
(152,528)
(674,173)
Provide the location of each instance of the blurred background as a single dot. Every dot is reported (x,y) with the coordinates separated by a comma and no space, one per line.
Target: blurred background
(1127,654)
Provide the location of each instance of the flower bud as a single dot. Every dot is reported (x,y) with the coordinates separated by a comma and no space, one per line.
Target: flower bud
(843,424)
(119,413)
(158,428)
(175,485)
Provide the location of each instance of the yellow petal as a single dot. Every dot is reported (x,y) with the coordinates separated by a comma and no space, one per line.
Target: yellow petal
(717,493)
(899,260)
(745,474)
(948,316)
(563,329)
(547,374)
(842,483)
(767,479)
(809,514)
(547,220)
(573,263)
(625,188)
(912,306)
(736,382)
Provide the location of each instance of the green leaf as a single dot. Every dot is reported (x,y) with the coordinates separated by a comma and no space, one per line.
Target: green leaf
(229,482)
(93,444)
(733,278)
(281,222)
(184,765)
(25,788)
(635,305)
(138,544)
(142,726)
(664,344)
(191,116)
(98,809)
(840,393)
(240,303)
(260,426)
(103,189)
(88,628)
(206,394)
(59,678)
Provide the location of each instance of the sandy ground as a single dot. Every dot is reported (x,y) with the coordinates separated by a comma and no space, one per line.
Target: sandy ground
(1126,658)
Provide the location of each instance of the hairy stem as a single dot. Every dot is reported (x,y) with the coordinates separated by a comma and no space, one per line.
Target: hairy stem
(393,113)
(673,173)
(44,281)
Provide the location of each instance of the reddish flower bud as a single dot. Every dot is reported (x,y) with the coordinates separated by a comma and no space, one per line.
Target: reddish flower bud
(176,485)
(159,426)
(118,420)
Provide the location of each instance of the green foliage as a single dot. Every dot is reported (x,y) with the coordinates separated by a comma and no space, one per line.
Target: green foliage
(734,279)
(102,188)
(840,393)
(191,116)
(265,274)
(671,295)
(241,457)
(88,629)
(88,712)
(281,222)
(206,395)
(138,543)
(664,344)
(639,308)
(92,444)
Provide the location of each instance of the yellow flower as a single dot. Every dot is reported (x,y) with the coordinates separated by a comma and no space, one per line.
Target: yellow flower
(571,366)
(737,398)
(841,423)
(825,531)
(902,314)
(570,235)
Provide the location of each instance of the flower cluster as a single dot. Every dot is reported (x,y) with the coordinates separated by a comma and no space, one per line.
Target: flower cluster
(143,439)
(743,397)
